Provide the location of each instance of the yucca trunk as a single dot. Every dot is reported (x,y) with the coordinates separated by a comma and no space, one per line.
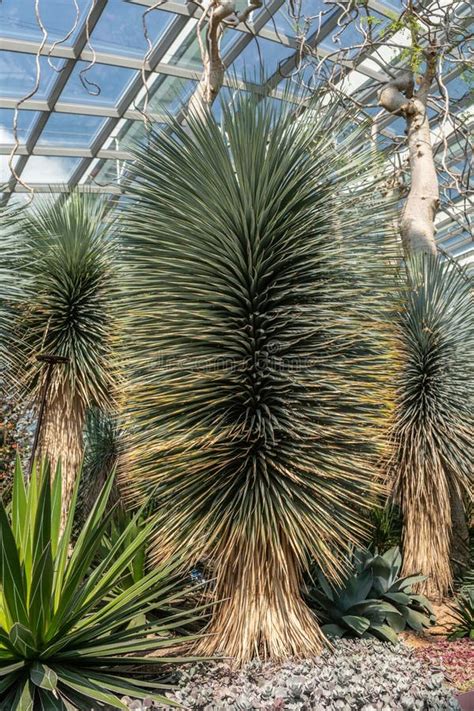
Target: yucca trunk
(426,528)
(262,613)
(435,536)
(61,439)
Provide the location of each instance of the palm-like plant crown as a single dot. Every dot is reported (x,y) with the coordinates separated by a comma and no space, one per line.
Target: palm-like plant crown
(432,434)
(66,264)
(256,360)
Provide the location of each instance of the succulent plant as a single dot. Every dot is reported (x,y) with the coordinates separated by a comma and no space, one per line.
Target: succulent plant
(463,614)
(373,600)
(356,675)
(67,639)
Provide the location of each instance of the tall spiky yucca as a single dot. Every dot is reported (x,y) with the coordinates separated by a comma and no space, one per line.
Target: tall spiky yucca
(66,266)
(256,357)
(433,433)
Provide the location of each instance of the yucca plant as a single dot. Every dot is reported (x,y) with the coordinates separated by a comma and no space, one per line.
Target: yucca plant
(65,635)
(257,356)
(66,266)
(432,435)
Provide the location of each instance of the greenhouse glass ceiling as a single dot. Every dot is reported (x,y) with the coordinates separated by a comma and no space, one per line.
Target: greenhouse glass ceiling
(79,76)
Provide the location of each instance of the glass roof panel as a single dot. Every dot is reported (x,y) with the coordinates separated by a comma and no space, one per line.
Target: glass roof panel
(131,133)
(62,20)
(120,28)
(305,11)
(170,94)
(5,172)
(460,87)
(70,130)
(25,121)
(188,54)
(45,169)
(100,84)
(301,81)
(110,173)
(260,57)
(18,75)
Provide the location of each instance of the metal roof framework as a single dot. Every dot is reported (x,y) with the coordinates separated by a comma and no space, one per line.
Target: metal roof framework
(106,150)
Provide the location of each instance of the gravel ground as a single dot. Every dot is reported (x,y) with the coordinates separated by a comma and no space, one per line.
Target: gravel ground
(358,675)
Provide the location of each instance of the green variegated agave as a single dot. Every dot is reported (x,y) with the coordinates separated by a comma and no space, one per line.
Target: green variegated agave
(66,638)
(373,601)
(257,357)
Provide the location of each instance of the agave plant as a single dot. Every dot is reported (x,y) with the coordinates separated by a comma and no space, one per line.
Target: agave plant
(373,601)
(124,527)
(257,360)
(65,635)
(67,268)
(431,436)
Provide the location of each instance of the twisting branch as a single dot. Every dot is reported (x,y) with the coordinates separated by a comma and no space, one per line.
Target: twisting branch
(386,47)
(219,14)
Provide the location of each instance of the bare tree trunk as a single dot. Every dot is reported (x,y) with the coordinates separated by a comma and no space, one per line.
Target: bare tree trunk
(417,222)
(262,612)
(221,13)
(61,439)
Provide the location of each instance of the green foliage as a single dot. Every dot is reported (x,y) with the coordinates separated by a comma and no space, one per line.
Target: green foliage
(101,450)
(101,443)
(373,601)
(65,264)
(259,282)
(386,529)
(65,635)
(407,21)
(124,528)
(463,614)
